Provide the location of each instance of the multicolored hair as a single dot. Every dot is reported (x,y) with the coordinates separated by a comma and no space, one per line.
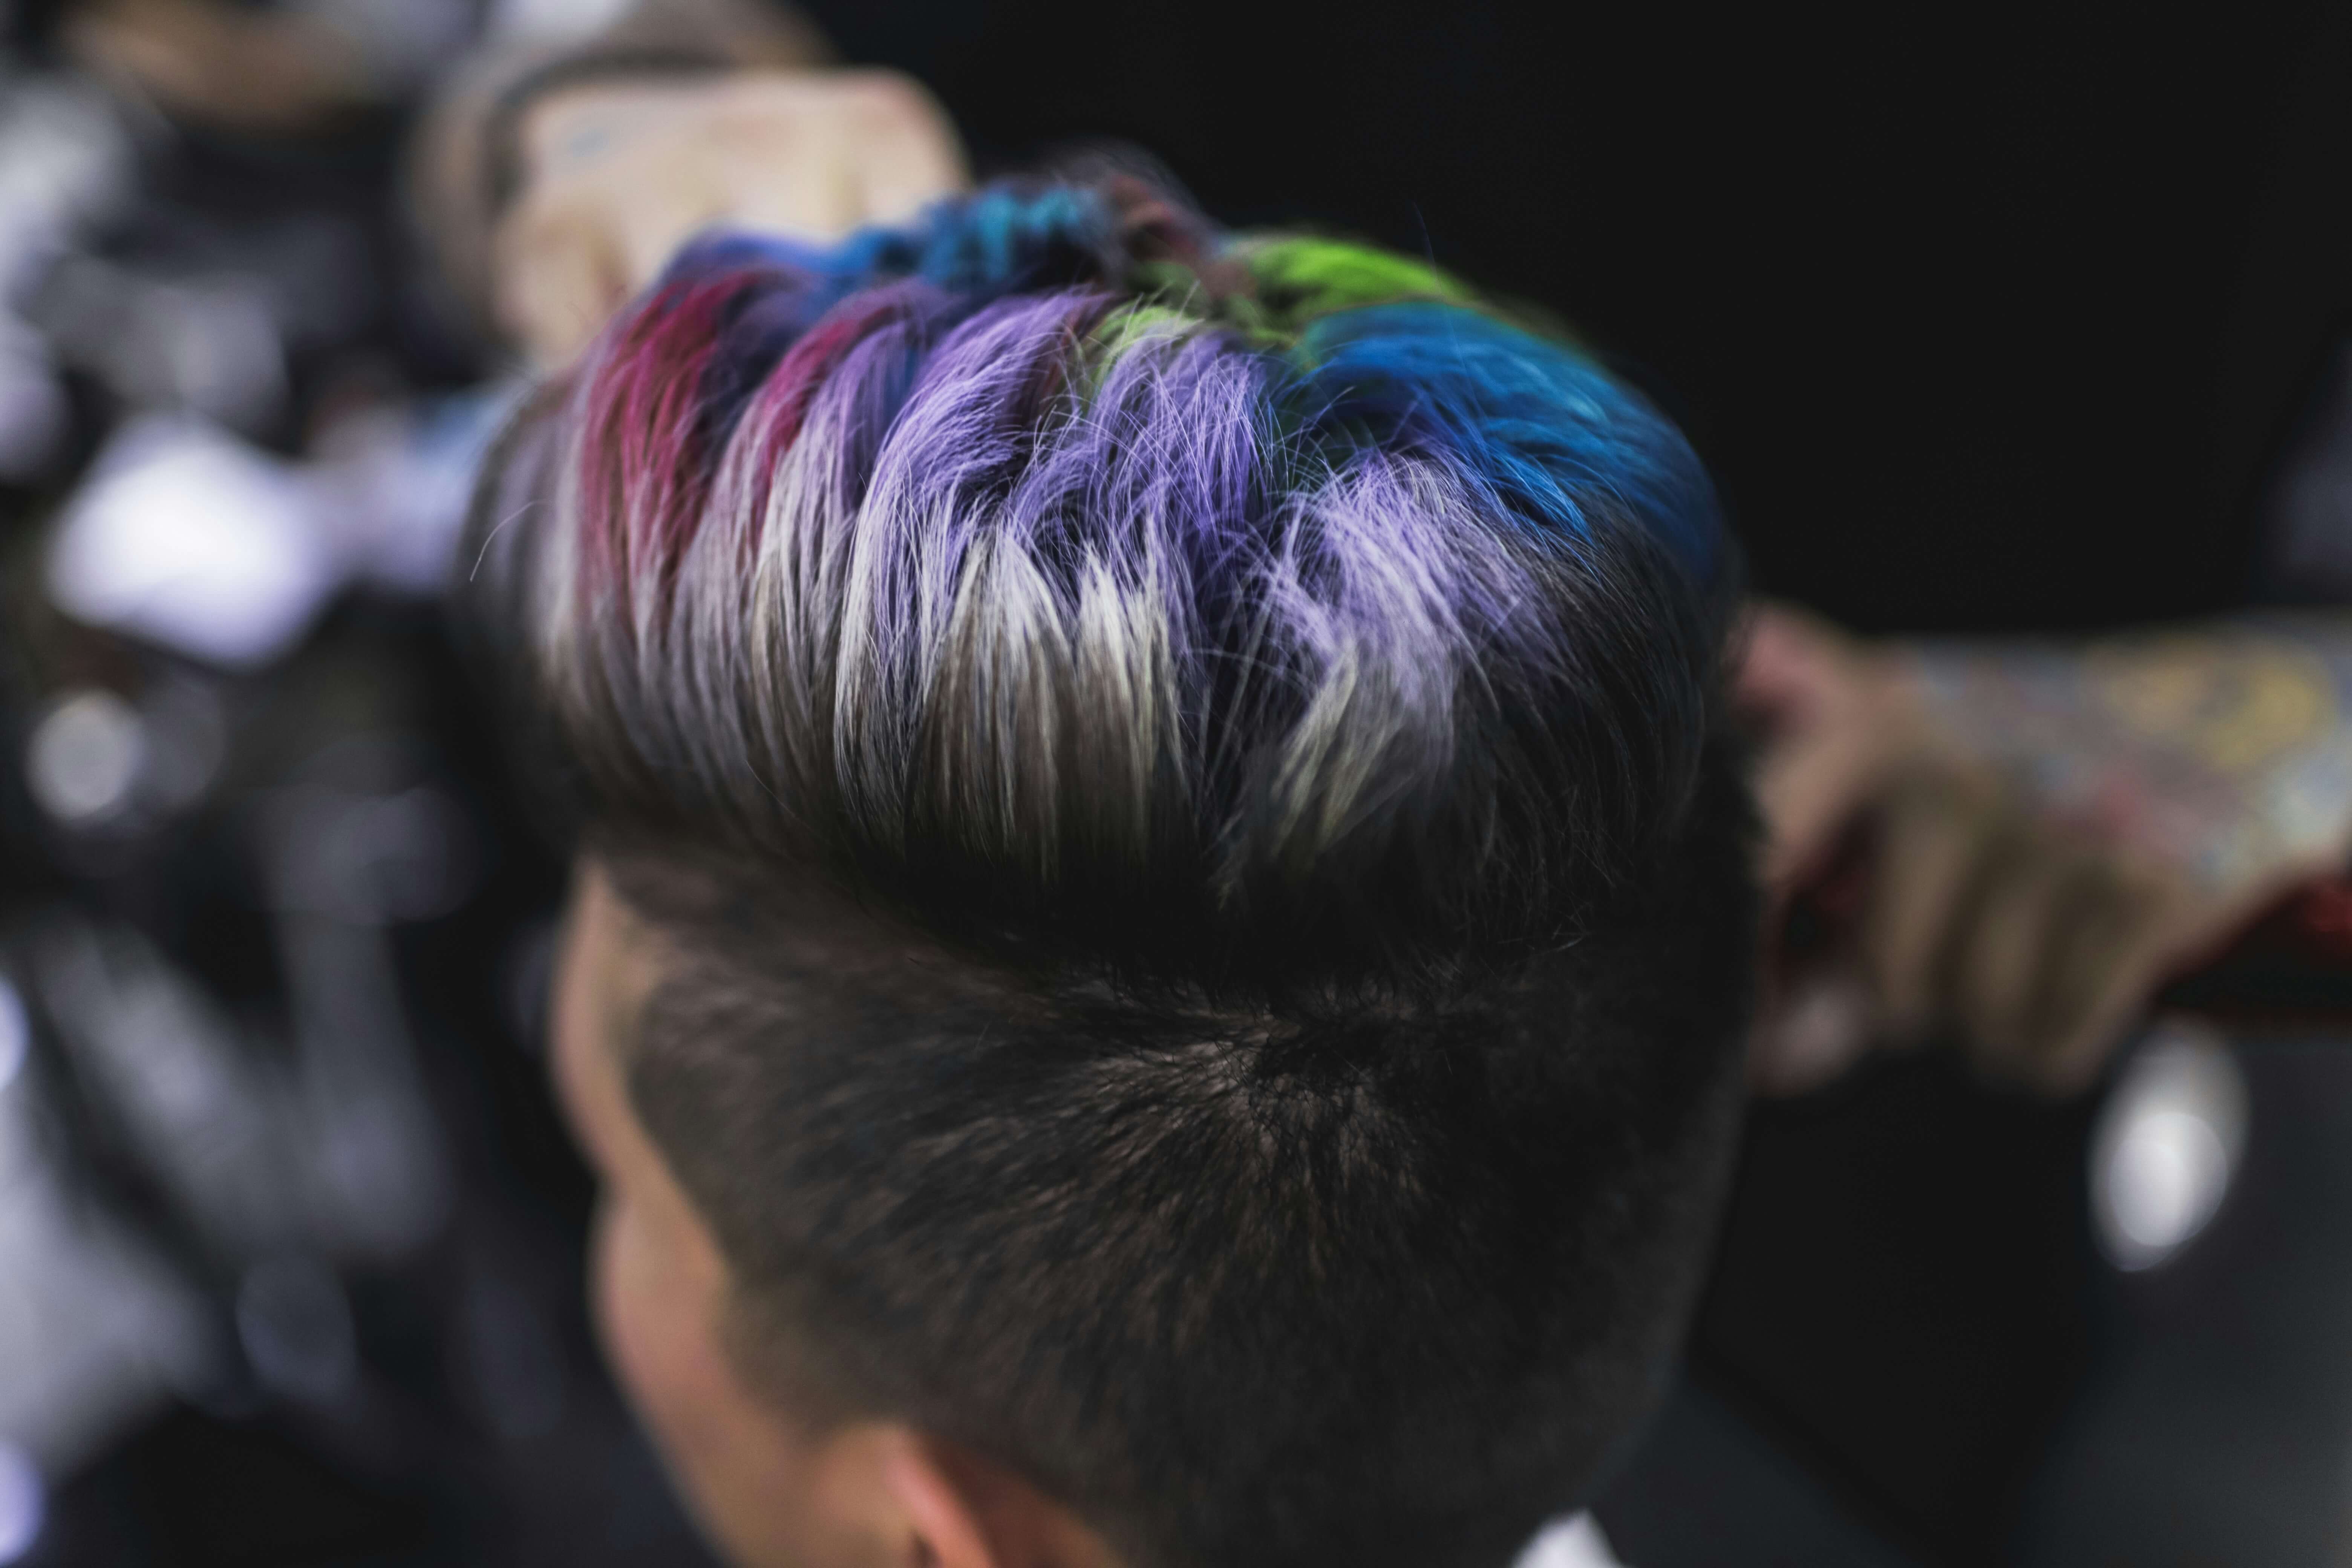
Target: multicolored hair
(1297,678)
(1249,601)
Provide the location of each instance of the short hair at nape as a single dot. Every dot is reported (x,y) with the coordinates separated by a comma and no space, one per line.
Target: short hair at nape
(1188,770)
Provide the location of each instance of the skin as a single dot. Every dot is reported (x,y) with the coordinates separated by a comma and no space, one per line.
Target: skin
(620,174)
(770,1489)
(259,72)
(2031,938)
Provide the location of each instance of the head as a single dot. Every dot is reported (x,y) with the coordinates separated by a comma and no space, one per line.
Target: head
(1164,910)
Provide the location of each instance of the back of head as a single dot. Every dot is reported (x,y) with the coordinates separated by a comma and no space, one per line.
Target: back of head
(1186,767)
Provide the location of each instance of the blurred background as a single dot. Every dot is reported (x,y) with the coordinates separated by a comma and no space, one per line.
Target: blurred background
(1987,320)
(289,1237)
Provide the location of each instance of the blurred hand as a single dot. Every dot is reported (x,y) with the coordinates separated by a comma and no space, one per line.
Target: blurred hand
(1836,720)
(618,174)
(2035,836)
(259,72)
(1838,716)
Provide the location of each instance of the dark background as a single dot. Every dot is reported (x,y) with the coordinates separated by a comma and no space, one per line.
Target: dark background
(1984,316)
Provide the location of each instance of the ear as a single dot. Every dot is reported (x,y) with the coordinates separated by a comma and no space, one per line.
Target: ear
(955,1508)
(944,1514)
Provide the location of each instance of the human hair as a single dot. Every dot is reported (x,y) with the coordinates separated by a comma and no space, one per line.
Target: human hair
(1185,773)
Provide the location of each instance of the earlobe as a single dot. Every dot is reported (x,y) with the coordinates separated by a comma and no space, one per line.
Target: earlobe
(953,1507)
(944,1520)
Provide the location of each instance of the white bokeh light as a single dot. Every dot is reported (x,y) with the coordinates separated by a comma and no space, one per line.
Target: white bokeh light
(84,757)
(2167,1143)
(2168,1173)
(23,1502)
(190,538)
(15,1034)
(1575,1542)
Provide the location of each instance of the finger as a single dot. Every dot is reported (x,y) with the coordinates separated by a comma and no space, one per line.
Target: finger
(901,183)
(1806,787)
(2004,928)
(1796,685)
(911,155)
(1934,832)
(1782,652)
(658,202)
(1836,719)
(786,162)
(2118,932)
(556,280)
(814,195)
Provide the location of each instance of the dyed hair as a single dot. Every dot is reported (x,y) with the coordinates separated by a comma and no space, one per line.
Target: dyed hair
(1186,770)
